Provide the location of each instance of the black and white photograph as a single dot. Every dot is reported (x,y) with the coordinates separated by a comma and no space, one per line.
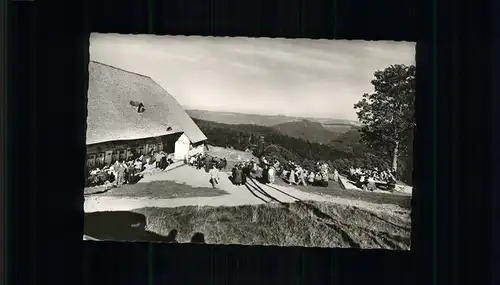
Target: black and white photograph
(250,141)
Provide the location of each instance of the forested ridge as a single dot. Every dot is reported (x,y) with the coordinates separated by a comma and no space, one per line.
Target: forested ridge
(341,153)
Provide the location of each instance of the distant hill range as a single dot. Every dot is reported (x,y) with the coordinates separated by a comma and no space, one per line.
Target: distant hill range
(308,131)
(322,130)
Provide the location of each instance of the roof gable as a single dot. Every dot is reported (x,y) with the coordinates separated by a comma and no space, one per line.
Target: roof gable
(112,117)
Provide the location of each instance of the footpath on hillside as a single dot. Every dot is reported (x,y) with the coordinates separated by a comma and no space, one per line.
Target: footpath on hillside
(253,193)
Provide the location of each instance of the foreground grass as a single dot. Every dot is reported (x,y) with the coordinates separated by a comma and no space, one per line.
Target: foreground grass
(162,190)
(308,224)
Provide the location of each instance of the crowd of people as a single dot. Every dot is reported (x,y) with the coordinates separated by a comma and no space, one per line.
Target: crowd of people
(291,173)
(298,175)
(369,179)
(131,171)
(127,172)
(211,165)
(270,170)
(207,162)
(242,170)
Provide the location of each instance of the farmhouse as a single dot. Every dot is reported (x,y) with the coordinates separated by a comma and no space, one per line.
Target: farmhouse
(129,114)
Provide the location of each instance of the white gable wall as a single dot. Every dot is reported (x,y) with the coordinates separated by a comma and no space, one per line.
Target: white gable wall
(182,147)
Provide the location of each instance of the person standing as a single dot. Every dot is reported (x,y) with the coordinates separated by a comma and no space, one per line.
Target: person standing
(121,173)
(291,177)
(335,175)
(233,174)
(254,166)
(163,161)
(129,173)
(116,166)
(317,178)
(207,164)
(243,174)
(238,179)
(200,162)
(271,173)
(157,157)
(324,180)
(265,174)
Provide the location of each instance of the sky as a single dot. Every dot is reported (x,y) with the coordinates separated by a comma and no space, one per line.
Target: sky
(292,77)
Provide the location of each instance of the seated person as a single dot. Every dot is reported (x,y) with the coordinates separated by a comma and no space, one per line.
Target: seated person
(138,164)
(310,178)
(317,179)
(361,181)
(371,186)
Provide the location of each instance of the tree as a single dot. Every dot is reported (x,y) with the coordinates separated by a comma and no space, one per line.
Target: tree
(387,115)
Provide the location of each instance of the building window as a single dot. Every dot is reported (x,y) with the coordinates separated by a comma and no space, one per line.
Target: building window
(100,160)
(91,161)
(122,155)
(108,157)
(140,150)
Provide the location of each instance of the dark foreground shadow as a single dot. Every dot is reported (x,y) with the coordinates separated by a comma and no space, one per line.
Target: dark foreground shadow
(257,187)
(96,192)
(291,196)
(198,238)
(121,226)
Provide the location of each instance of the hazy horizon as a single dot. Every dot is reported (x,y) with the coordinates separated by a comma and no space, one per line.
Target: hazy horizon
(262,76)
(262,114)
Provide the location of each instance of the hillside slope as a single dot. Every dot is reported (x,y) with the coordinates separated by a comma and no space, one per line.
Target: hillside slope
(241,137)
(342,152)
(307,130)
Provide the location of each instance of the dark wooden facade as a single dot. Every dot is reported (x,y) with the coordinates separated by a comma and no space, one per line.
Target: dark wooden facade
(106,153)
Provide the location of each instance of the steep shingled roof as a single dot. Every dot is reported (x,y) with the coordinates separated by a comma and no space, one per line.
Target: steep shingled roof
(111,117)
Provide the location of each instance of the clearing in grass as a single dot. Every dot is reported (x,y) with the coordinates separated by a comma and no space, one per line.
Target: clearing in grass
(162,190)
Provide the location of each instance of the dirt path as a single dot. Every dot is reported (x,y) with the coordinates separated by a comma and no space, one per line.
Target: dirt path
(251,194)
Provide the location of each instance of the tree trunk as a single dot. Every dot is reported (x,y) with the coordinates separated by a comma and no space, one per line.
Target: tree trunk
(395,155)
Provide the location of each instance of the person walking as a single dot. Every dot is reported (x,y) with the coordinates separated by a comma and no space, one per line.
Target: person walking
(214,176)
(302,177)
